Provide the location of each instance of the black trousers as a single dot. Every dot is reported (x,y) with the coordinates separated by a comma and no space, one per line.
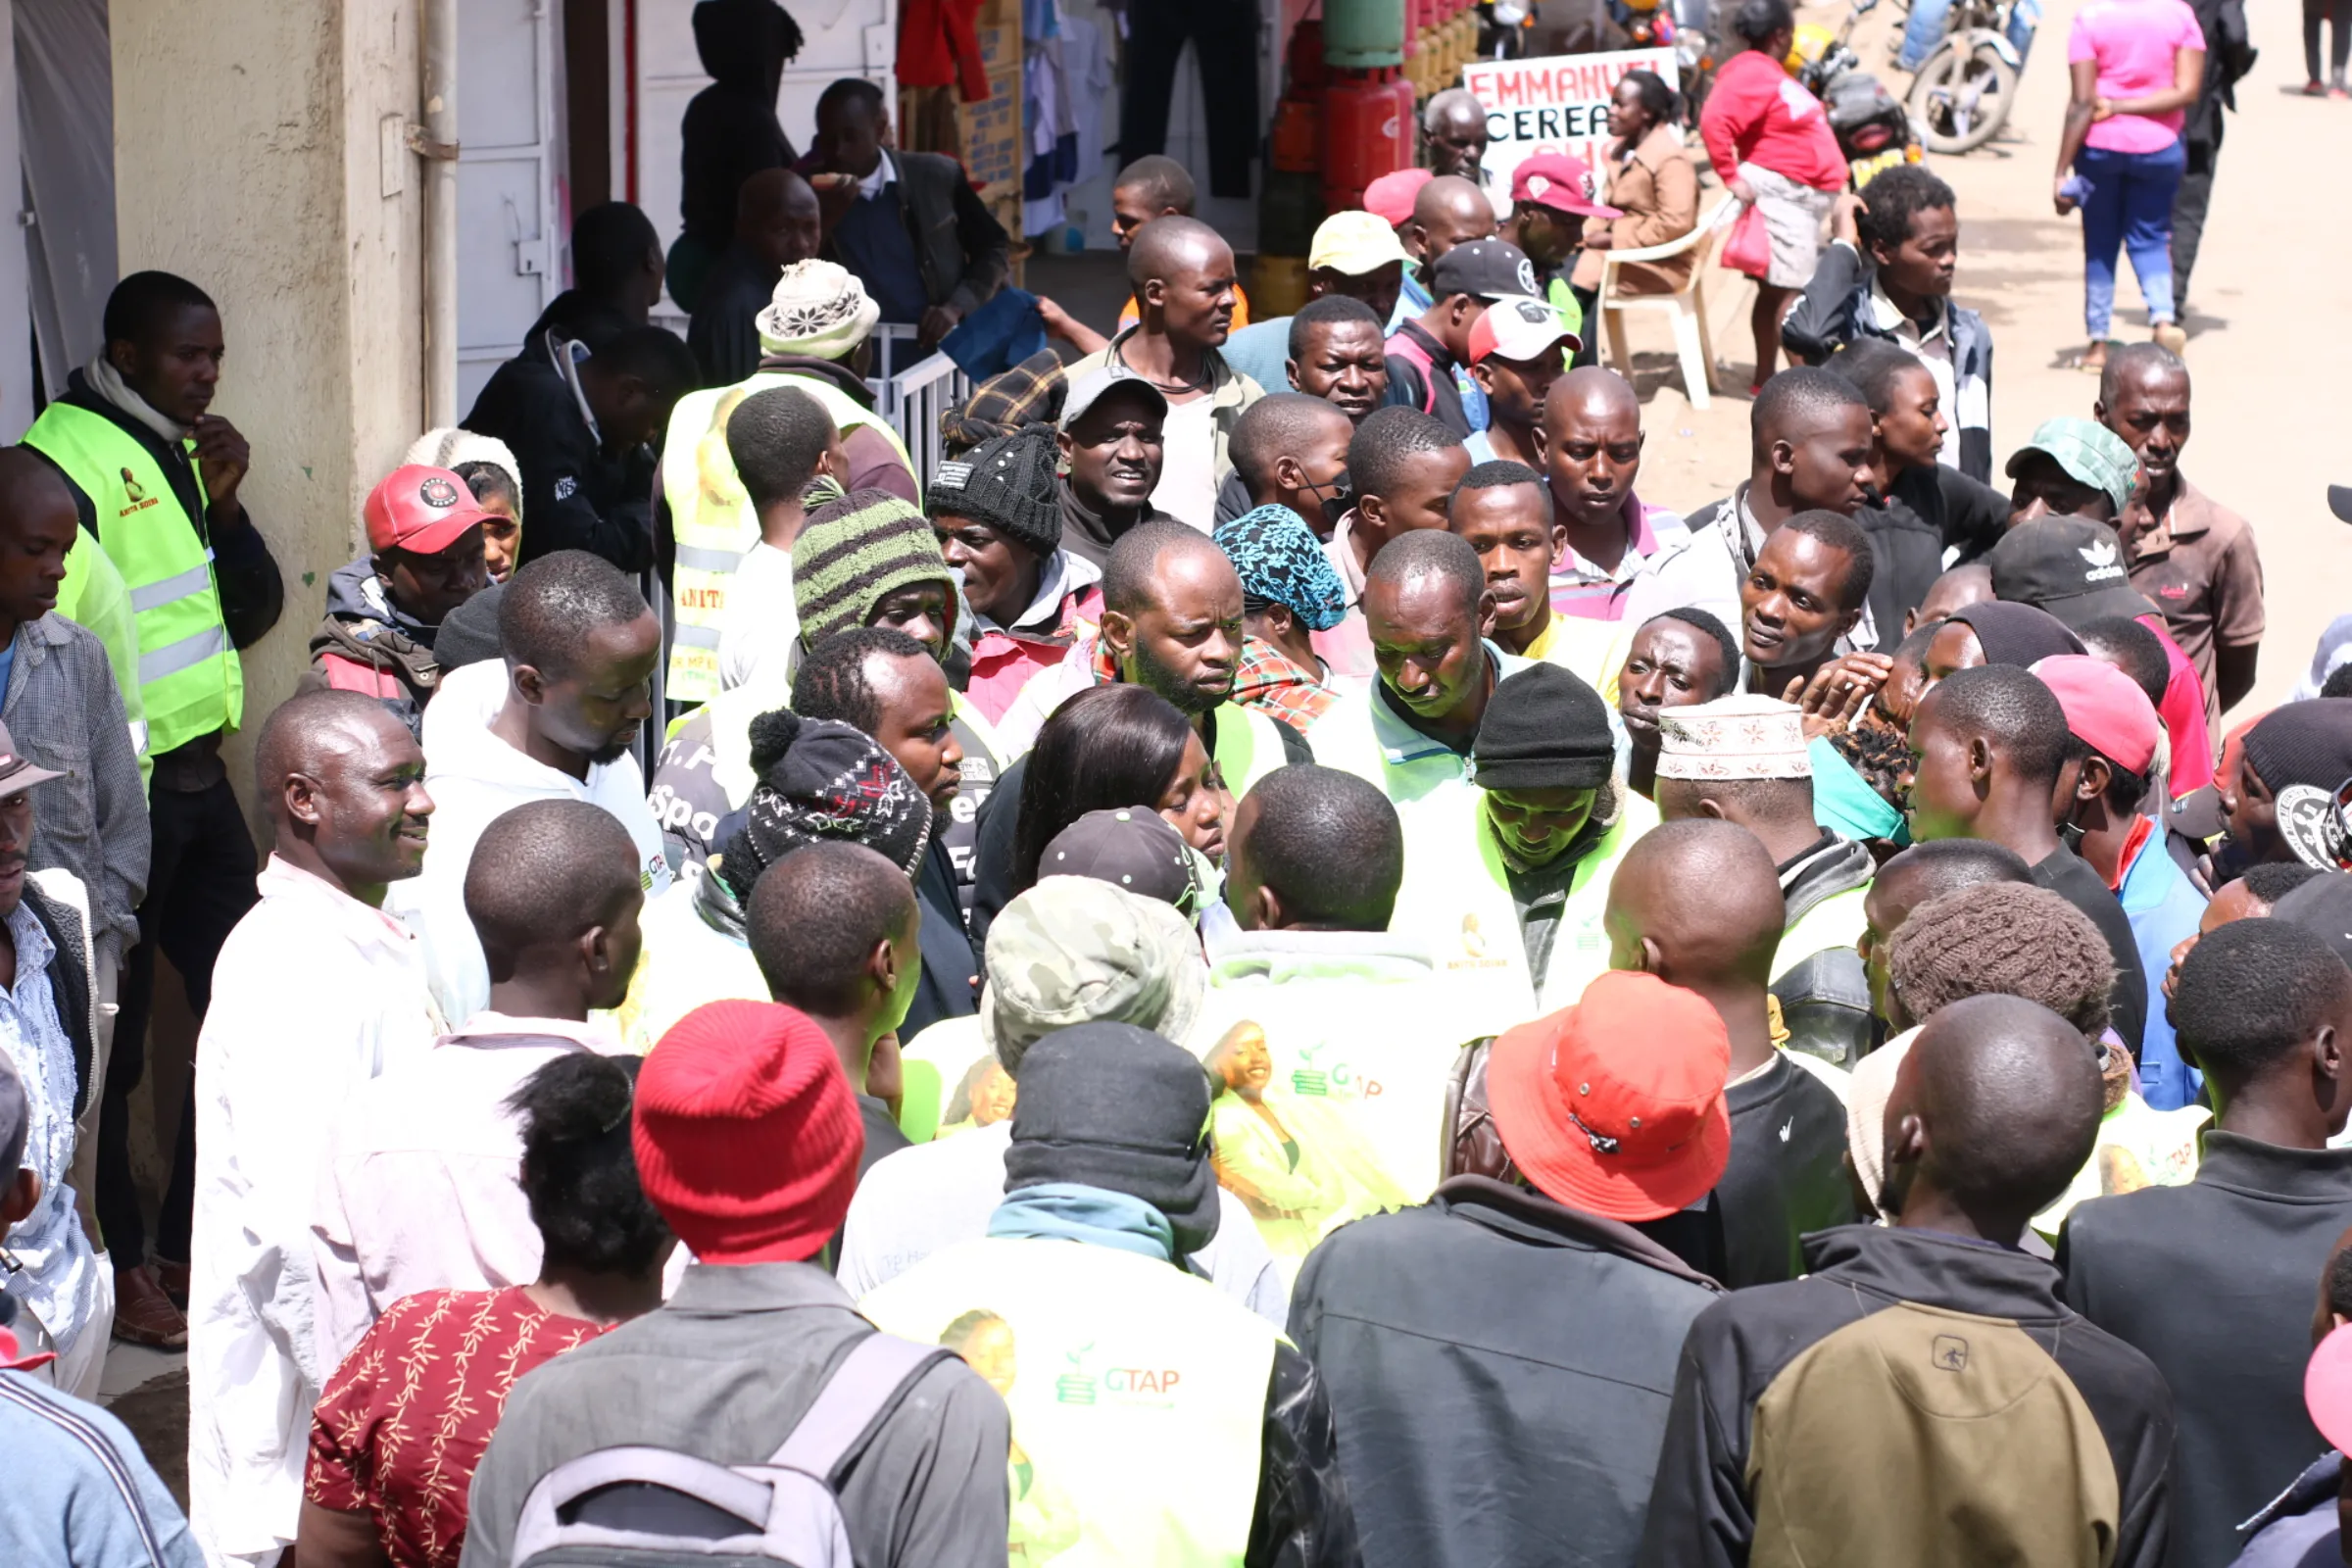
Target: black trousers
(2189,211)
(199,885)
(1590,353)
(1224,39)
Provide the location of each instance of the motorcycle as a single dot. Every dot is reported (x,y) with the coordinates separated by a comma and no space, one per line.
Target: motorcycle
(1963,91)
(1874,131)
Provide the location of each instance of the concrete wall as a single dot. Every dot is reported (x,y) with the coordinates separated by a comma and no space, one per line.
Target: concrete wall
(249,156)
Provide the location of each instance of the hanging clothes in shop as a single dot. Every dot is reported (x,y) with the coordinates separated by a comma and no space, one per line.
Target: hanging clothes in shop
(1069,78)
(1223,34)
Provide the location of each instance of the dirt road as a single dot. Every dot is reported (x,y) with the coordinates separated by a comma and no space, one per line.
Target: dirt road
(2270,324)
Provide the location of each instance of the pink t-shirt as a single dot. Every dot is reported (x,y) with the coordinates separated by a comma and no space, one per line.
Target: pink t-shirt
(2134,42)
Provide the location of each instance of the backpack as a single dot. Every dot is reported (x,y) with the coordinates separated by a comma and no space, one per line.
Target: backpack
(649,1508)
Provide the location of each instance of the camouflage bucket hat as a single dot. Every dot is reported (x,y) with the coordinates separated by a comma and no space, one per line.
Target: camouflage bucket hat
(1072,950)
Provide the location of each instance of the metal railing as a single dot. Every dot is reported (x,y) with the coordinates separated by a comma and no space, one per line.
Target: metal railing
(913,398)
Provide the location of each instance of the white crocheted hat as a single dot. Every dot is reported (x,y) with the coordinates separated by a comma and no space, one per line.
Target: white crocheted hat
(819,309)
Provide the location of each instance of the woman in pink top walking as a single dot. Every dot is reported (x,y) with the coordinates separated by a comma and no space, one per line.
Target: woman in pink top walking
(2136,67)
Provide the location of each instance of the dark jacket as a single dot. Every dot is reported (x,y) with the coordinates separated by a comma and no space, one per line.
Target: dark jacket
(2070,876)
(2299,1529)
(1500,1368)
(1825,997)
(1926,513)
(730,130)
(960,247)
(951,961)
(2214,1281)
(1302,1518)
(724,333)
(578,493)
(1897,1405)
(1835,309)
(252,593)
(577,317)
(2229,55)
(367,644)
(1786,1175)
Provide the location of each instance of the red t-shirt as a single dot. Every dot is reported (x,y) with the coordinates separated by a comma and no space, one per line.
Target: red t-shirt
(1757,114)
(404,1419)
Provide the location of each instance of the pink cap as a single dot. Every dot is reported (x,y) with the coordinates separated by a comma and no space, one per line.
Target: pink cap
(2328,1387)
(2104,708)
(1561,181)
(1391,196)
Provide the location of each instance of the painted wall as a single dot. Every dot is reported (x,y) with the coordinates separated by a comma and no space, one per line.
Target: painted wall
(251,156)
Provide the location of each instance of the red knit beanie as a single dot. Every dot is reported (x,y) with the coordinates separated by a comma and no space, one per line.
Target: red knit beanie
(747,1135)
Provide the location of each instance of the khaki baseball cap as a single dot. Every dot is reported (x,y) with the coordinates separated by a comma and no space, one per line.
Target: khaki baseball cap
(1355,243)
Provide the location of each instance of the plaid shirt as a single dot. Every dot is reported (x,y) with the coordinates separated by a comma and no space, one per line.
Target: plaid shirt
(64,712)
(1030,393)
(1286,689)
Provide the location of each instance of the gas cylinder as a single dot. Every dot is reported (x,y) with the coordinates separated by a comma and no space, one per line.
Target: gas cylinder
(1295,143)
(1363,34)
(1303,59)
(1366,134)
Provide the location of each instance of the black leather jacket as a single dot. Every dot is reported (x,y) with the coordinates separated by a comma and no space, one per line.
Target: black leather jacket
(1303,1519)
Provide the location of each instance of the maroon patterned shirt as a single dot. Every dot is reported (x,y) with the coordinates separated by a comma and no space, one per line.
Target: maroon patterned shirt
(406,1417)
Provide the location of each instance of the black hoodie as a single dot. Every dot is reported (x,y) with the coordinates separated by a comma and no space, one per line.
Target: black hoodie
(730,131)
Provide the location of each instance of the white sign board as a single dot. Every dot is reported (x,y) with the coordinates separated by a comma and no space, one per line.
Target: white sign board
(1556,105)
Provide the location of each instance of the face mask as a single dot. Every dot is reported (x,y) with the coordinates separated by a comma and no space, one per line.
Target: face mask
(1335,497)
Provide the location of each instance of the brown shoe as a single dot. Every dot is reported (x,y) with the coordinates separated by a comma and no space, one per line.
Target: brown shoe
(144,1314)
(175,1281)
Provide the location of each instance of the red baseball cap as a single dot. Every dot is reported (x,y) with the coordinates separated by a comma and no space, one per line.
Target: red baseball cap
(420,509)
(1560,181)
(1391,197)
(1615,1105)
(2104,708)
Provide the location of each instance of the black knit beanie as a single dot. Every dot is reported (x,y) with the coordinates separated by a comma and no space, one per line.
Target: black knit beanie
(1115,1107)
(1544,729)
(2303,742)
(821,782)
(1007,483)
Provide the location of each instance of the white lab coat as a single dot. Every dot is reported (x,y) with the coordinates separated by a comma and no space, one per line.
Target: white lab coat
(474,779)
(315,994)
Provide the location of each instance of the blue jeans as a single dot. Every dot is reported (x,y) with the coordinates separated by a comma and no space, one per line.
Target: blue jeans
(2131,208)
(1923,32)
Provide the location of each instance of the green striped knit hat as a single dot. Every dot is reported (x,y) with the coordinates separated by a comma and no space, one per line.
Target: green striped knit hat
(854,552)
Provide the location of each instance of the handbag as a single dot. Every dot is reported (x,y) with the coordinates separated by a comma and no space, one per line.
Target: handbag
(1748,248)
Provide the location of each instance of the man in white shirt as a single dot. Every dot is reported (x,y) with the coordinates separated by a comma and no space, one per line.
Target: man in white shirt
(780,441)
(581,647)
(316,991)
(421,1189)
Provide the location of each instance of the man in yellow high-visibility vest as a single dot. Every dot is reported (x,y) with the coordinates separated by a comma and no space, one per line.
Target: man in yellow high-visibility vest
(1153,1419)
(156,476)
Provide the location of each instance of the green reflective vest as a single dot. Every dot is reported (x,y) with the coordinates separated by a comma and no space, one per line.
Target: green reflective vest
(713,518)
(1249,747)
(1137,1392)
(189,679)
(92,596)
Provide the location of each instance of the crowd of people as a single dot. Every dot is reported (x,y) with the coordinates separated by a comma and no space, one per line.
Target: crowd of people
(1274,963)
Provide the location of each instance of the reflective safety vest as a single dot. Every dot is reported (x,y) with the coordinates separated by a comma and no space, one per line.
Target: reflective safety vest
(93,597)
(1361,1035)
(713,518)
(1137,1392)
(1837,921)
(191,683)
(1456,898)
(1248,745)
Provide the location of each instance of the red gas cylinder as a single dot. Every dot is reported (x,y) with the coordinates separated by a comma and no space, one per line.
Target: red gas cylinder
(1303,59)
(1367,133)
(1295,144)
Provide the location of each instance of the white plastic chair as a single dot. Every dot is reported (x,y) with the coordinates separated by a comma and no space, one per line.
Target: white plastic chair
(1688,308)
